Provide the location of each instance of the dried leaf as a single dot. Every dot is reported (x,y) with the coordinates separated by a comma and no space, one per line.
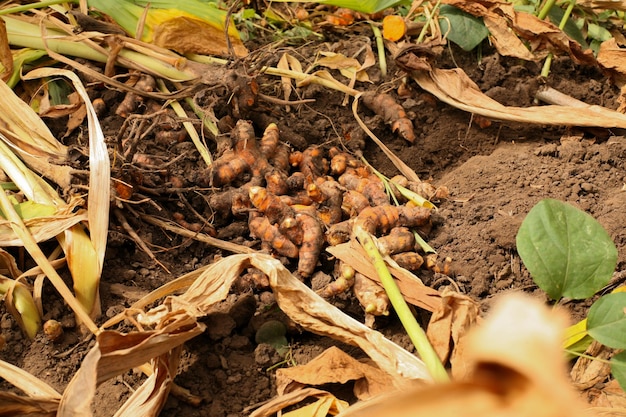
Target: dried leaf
(587,371)
(188,35)
(280,402)
(505,25)
(115,353)
(449,325)
(369,380)
(16,405)
(6,57)
(86,254)
(454,87)
(33,387)
(517,370)
(148,400)
(321,408)
(612,59)
(301,304)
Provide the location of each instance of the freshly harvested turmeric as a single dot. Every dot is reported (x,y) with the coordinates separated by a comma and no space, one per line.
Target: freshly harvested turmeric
(383,218)
(409,260)
(227,169)
(344,279)
(340,232)
(353,202)
(312,242)
(270,205)
(371,295)
(261,228)
(371,187)
(399,239)
(392,113)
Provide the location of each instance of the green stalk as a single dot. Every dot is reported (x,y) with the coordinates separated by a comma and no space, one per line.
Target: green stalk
(33,249)
(380,46)
(28,35)
(414,331)
(545,71)
(424,246)
(546,9)
(429,17)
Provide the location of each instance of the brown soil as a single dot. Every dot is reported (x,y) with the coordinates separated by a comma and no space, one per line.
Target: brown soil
(495,175)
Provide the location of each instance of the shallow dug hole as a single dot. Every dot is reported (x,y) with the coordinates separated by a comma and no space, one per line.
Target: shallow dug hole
(495,175)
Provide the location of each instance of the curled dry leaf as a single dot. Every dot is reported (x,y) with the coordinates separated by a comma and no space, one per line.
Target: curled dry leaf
(449,325)
(454,87)
(516,369)
(325,404)
(116,352)
(506,27)
(40,398)
(369,380)
(302,305)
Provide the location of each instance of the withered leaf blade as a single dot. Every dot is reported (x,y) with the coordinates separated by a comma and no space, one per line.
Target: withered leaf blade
(517,369)
(16,405)
(303,306)
(115,353)
(454,87)
(369,380)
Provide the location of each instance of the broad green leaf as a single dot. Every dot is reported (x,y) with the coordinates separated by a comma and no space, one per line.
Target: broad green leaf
(606,321)
(618,369)
(566,251)
(462,28)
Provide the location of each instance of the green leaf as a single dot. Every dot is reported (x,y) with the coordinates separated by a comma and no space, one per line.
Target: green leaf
(606,321)
(462,28)
(618,369)
(566,251)
(598,33)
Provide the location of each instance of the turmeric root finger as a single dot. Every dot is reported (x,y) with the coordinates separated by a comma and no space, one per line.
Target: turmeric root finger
(312,242)
(409,260)
(371,295)
(399,239)
(270,205)
(344,279)
(383,218)
(261,228)
(392,113)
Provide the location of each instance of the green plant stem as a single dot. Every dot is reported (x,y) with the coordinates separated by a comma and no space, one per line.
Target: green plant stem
(414,331)
(380,46)
(583,355)
(206,120)
(28,35)
(546,9)
(23,305)
(545,71)
(429,17)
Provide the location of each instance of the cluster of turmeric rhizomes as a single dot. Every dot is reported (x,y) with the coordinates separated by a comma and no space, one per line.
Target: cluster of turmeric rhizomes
(296,202)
